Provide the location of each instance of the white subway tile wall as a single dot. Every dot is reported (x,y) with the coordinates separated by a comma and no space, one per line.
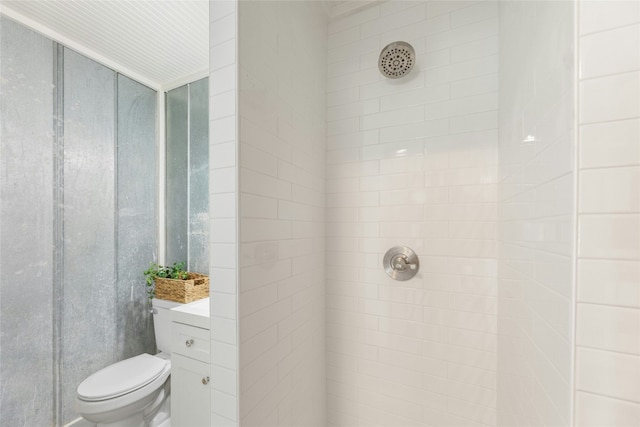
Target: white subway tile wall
(281,265)
(536,213)
(608,277)
(223,145)
(485,334)
(412,162)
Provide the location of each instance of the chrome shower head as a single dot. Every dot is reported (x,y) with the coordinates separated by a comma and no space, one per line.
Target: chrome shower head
(396,60)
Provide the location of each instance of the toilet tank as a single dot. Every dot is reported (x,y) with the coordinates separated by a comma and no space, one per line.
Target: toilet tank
(162,323)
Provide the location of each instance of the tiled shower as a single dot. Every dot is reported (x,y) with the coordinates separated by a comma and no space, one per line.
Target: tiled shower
(412,162)
(508,159)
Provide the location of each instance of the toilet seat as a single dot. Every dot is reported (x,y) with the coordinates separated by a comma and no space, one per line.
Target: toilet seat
(129,404)
(121,378)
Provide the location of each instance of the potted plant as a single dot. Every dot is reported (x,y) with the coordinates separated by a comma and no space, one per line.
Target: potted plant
(174,283)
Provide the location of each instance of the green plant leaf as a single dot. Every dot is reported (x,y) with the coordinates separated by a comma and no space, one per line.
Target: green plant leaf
(176,271)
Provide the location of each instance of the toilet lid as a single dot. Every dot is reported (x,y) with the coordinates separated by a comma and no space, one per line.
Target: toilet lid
(121,378)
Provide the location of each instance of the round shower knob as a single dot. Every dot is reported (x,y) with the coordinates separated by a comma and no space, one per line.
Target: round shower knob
(401,263)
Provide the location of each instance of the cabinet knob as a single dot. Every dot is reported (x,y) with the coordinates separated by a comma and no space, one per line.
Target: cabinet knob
(188,342)
(205,380)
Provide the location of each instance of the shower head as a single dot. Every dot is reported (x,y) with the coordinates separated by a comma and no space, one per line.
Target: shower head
(396,60)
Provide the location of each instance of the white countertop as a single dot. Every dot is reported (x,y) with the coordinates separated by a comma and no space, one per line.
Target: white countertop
(195,313)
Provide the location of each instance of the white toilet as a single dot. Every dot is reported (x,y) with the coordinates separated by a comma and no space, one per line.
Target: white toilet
(134,392)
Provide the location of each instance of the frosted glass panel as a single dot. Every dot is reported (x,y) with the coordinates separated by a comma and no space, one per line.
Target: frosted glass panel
(137,219)
(89,244)
(177,178)
(78,223)
(26,230)
(199,176)
(187,210)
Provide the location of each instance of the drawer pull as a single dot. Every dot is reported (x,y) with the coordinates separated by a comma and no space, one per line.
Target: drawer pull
(189,342)
(205,380)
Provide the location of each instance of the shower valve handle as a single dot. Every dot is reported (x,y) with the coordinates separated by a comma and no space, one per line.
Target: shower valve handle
(401,263)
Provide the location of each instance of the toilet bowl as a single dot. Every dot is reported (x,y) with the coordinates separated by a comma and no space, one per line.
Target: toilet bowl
(134,392)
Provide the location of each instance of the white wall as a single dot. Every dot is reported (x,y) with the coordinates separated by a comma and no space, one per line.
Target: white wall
(282,89)
(223,196)
(608,300)
(412,162)
(536,213)
(267,145)
(542,258)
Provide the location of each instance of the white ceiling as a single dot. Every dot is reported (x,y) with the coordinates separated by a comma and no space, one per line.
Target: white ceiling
(162,43)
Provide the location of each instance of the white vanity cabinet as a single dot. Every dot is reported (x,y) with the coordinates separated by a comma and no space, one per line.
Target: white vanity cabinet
(190,370)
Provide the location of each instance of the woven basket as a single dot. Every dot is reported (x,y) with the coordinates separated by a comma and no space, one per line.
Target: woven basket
(195,287)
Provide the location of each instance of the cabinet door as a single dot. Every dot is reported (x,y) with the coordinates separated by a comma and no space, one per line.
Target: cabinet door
(190,392)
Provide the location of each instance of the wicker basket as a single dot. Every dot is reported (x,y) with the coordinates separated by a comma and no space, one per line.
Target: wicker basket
(195,287)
